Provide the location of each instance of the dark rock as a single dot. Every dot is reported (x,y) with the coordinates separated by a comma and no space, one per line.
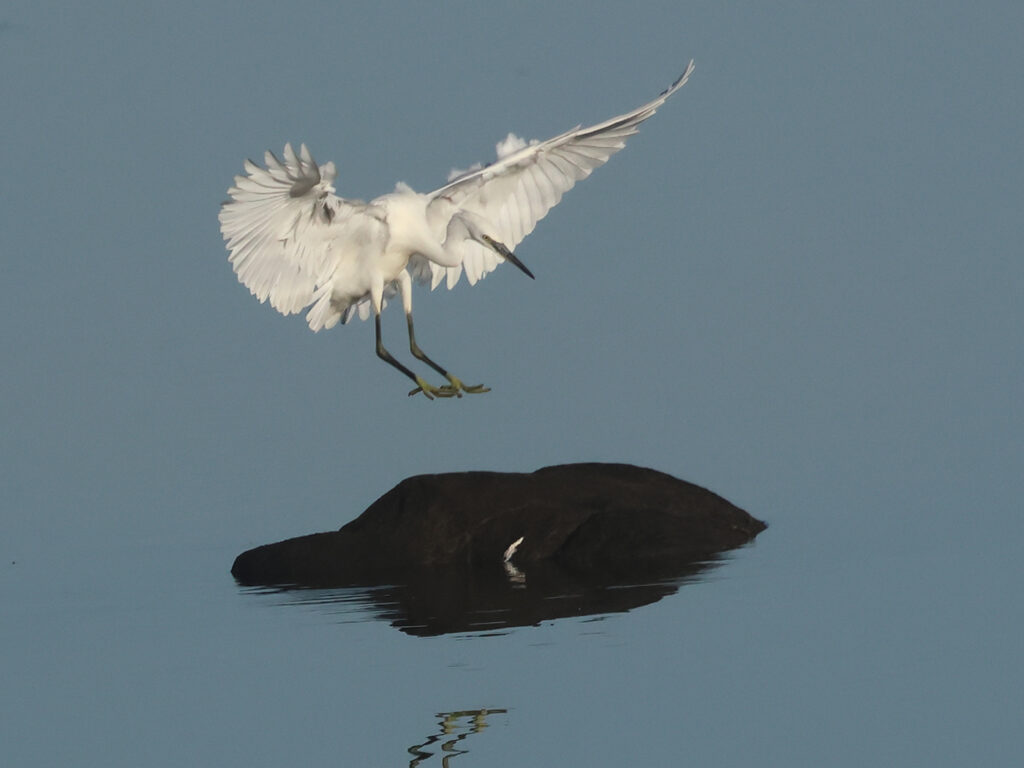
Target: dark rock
(615,520)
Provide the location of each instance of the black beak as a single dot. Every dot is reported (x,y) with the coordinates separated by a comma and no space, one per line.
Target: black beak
(508,255)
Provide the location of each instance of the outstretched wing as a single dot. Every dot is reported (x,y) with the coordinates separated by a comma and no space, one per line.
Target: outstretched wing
(279,226)
(514,193)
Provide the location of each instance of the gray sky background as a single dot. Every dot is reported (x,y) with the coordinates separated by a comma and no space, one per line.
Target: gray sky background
(800,285)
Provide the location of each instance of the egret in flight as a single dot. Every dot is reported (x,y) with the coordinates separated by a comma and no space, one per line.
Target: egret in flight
(294,241)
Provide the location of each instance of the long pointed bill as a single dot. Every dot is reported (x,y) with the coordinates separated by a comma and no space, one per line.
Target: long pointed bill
(515,260)
(508,255)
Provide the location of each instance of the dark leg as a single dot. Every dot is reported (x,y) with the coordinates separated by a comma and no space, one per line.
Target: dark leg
(428,389)
(456,384)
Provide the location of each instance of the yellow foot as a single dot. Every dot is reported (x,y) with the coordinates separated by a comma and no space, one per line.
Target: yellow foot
(455,389)
(472,389)
(446,390)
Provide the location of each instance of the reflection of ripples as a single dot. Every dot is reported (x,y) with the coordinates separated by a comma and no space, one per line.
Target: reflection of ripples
(353,603)
(486,601)
(452,729)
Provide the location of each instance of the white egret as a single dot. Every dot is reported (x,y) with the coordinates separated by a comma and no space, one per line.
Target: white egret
(295,242)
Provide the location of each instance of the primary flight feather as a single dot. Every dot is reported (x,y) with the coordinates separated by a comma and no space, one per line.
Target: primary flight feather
(293,241)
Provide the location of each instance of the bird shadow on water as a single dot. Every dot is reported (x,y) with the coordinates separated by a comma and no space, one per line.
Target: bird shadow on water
(428,603)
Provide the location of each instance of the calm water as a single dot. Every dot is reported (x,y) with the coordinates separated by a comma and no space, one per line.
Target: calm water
(786,653)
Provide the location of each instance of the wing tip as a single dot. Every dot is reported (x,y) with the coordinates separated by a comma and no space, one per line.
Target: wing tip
(681,80)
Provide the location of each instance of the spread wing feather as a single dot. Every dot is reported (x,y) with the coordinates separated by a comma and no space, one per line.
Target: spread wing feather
(294,242)
(282,225)
(512,194)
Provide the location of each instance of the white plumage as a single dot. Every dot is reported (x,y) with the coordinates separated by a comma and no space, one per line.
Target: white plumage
(293,241)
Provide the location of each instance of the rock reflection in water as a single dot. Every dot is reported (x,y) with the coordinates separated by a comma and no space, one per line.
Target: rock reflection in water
(453,728)
(427,603)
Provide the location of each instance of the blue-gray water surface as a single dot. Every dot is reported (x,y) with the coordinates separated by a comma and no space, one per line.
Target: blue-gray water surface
(799,286)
